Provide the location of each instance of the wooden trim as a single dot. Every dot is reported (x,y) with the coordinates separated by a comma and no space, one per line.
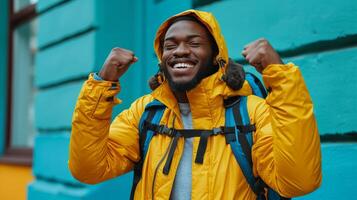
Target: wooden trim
(9,78)
(19,151)
(22,15)
(17,157)
(13,155)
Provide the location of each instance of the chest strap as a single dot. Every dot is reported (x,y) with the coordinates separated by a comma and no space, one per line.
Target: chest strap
(228,132)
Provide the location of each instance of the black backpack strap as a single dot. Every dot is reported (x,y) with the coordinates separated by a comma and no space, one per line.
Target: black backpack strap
(153,113)
(241,144)
(188,133)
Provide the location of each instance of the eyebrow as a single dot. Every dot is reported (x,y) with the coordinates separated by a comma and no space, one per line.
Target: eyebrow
(188,37)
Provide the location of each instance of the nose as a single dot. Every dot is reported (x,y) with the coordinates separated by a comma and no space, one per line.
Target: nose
(181,50)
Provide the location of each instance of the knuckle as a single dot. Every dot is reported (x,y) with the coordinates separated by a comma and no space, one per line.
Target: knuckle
(262,39)
(115,49)
(126,61)
(264,43)
(114,63)
(130,52)
(262,50)
(113,57)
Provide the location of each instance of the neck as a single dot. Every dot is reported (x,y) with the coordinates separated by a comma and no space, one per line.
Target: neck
(181,97)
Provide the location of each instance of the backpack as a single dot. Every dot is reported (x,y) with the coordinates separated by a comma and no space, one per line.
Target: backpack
(238,133)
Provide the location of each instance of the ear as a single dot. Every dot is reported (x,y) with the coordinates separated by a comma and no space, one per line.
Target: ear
(215,62)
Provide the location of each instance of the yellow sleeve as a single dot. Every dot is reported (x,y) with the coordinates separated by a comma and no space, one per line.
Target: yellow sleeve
(286,153)
(100,150)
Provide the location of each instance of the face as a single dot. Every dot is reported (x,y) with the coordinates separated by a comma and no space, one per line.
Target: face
(187,55)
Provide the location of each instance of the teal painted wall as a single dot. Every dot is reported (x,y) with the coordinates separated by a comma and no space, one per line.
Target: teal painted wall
(339,172)
(156,14)
(120,26)
(74,39)
(3,70)
(320,38)
(312,40)
(331,79)
(76,36)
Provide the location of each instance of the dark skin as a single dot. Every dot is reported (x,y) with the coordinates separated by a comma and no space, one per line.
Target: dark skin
(187,53)
(260,54)
(187,57)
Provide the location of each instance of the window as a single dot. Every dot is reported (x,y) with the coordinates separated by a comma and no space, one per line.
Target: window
(21,88)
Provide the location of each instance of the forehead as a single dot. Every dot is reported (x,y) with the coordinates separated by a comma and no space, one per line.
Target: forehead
(186,28)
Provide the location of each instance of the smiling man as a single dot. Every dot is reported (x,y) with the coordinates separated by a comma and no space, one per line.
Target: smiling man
(188,56)
(188,153)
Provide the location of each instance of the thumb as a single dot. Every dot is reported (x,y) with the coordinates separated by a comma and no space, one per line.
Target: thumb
(135,59)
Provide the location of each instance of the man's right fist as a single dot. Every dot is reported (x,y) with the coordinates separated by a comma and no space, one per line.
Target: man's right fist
(116,64)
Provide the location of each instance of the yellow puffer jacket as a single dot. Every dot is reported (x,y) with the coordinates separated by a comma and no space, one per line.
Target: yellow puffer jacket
(286,151)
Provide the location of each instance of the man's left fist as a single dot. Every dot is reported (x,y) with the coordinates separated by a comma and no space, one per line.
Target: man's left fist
(260,54)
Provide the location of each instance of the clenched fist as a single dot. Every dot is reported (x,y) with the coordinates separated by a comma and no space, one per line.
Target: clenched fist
(116,64)
(260,54)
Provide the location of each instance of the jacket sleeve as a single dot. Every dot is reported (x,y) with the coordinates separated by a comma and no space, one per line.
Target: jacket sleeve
(286,153)
(100,150)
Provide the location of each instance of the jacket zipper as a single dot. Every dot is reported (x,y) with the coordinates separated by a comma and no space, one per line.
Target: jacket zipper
(157,168)
(160,162)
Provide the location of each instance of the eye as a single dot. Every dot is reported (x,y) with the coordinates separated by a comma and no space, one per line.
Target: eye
(169,46)
(195,44)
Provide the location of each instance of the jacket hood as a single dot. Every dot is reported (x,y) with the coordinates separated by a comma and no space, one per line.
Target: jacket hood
(215,87)
(212,26)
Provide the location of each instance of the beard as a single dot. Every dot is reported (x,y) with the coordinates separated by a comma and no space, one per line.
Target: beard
(183,87)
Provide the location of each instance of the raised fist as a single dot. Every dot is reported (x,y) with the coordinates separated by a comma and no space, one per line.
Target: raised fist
(116,64)
(260,54)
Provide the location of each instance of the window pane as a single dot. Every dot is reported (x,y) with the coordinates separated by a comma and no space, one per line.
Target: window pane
(23,90)
(20,4)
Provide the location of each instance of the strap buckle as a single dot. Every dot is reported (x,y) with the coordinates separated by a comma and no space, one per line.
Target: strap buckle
(217,131)
(166,131)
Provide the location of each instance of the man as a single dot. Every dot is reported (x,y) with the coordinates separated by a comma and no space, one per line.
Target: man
(193,84)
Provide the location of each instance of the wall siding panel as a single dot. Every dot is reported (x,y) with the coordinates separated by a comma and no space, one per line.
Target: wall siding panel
(54,107)
(66,20)
(45,4)
(53,164)
(287,24)
(110,190)
(331,80)
(338,172)
(68,60)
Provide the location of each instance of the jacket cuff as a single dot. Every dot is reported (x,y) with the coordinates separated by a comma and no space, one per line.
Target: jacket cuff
(275,74)
(100,97)
(97,77)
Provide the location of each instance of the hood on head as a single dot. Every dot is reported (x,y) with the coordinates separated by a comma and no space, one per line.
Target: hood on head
(208,20)
(212,26)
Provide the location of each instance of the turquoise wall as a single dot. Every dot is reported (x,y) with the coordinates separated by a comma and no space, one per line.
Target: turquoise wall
(75,36)
(3,70)
(322,43)
(321,38)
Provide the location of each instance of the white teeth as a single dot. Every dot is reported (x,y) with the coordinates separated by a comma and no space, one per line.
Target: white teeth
(182,65)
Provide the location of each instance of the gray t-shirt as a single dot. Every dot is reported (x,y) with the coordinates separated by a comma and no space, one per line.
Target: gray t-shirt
(182,187)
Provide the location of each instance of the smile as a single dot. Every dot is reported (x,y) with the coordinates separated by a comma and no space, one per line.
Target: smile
(182,65)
